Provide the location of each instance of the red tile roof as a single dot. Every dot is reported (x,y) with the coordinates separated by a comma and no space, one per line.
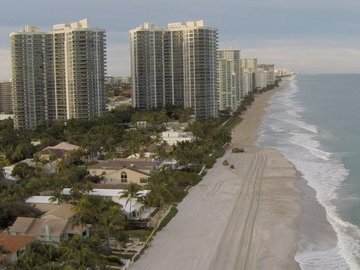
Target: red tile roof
(12,243)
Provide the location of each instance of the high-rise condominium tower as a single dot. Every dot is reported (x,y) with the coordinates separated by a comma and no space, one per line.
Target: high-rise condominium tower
(249,66)
(175,66)
(270,73)
(147,66)
(58,74)
(5,97)
(229,79)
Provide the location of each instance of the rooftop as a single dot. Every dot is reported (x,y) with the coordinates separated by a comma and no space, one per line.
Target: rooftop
(41,200)
(37,226)
(12,243)
(125,163)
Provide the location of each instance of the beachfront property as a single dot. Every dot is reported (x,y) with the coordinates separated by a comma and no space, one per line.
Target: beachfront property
(123,171)
(175,66)
(261,79)
(270,73)
(229,79)
(283,72)
(246,81)
(248,67)
(65,73)
(133,208)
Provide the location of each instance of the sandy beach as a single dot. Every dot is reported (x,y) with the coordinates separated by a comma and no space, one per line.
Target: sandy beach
(241,218)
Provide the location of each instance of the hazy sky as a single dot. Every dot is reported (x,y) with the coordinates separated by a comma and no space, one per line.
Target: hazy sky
(307,36)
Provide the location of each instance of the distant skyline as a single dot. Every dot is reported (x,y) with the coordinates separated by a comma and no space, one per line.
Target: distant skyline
(318,36)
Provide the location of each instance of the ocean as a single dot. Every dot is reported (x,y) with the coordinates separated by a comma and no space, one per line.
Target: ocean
(315,124)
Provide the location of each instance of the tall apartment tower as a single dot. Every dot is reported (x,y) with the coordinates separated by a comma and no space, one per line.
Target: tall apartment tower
(175,66)
(249,66)
(6,98)
(58,74)
(229,79)
(270,73)
(147,66)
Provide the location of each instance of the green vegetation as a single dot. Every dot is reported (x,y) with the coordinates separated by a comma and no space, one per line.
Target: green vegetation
(102,137)
(172,213)
(72,254)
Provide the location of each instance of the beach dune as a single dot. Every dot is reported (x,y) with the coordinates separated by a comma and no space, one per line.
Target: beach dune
(240,218)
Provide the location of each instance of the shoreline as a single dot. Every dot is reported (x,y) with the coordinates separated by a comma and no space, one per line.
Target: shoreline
(241,218)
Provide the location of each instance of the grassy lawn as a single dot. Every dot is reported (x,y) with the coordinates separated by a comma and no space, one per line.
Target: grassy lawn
(172,213)
(141,234)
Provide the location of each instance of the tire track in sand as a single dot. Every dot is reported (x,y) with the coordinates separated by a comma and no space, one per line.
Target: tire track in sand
(233,249)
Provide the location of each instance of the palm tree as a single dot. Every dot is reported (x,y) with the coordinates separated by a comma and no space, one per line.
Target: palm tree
(131,193)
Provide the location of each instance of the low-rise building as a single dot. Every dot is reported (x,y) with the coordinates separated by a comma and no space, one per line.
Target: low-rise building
(12,247)
(124,171)
(57,151)
(49,230)
(173,137)
(8,170)
(133,208)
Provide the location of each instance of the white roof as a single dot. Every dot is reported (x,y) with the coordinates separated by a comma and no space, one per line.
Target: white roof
(41,200)
(135,205)
(106,192)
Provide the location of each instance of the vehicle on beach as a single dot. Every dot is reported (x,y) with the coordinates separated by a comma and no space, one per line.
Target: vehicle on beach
(238,150)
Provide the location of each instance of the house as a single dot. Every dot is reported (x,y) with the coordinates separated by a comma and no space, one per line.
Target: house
(173,137)
(7,170)
(51,208)
(124,171)
(12,247)
(43,203)
(57,151)
(49,230)
(133,209)
(55,223)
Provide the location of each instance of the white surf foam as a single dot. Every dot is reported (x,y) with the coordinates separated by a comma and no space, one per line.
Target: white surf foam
(298,142)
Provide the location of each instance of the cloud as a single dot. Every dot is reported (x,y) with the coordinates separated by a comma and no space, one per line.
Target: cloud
(300,33)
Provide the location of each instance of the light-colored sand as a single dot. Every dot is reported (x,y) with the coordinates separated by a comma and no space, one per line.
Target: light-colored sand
(241,218)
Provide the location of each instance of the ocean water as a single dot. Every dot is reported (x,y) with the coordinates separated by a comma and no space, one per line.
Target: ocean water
(315,123)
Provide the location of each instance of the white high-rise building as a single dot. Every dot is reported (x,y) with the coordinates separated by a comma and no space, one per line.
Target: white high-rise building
(147,66)
(270,70)
(250,65)
(175,66)
(58,74)
(260,79)
(246,81)
(229,79)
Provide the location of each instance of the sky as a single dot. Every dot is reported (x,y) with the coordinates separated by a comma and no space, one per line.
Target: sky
(309,36)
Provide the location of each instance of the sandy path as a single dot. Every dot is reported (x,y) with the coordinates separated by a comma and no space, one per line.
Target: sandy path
(241,218)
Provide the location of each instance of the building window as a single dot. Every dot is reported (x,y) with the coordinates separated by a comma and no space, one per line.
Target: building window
(123,177)
(143,180)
